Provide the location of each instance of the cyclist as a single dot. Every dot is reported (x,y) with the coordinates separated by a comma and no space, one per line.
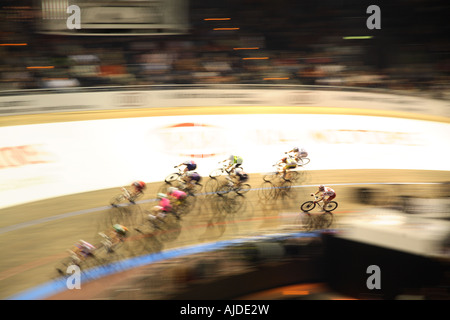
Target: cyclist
(137,189)
(285,164)
(327,194)
(191,179)
(189,166)
(233,163)
(81,251)
(298,153)
(117,234)
(160,211)
(176,194)
(240,177)
(177,199)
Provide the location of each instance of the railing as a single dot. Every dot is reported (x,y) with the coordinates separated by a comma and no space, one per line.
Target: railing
(212,86)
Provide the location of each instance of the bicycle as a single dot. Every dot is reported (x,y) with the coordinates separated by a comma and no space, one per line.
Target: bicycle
(301,162)
(290,175)
(110,244)
(309,205)
(126,195)
(229,186)
(219,171)
(176,176)
(166,228)
(74,259)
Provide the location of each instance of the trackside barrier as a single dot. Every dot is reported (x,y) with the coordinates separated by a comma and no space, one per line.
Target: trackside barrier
(59,285)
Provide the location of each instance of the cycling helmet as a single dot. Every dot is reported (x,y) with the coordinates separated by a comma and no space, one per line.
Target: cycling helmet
(162,195)
(321,187)
(121,229)
(231,157)
(139,184)
(295,149)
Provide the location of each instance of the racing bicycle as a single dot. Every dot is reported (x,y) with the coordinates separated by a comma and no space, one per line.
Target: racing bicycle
(174,176)
(229,186)
(126,195)
(301,162)
(83,262)
(309,205)
(219,171)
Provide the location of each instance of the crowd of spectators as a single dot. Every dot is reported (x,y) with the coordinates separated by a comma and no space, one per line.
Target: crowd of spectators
(305,47)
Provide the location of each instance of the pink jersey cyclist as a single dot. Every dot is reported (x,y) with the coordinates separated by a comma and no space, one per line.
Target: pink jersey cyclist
(164,203)
(176,193)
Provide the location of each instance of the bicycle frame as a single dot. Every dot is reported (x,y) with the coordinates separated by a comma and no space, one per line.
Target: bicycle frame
(213,174)
(309,205)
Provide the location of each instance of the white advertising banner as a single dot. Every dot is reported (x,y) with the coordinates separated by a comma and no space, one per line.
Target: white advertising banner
(48,160)
(207,97)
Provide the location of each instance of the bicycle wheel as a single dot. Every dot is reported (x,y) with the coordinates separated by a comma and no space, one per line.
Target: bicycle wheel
(223,189)
(307,206)
(211,186)
(270,176)
(115,201)
(303,161)
(216,173)
(243,189)
(331,206)
(172,177)
(292,175)
(164,188)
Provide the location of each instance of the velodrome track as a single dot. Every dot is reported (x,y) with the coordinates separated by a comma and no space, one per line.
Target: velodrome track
(35,236)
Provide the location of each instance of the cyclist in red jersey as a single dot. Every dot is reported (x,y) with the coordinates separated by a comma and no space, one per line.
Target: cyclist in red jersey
(326,194)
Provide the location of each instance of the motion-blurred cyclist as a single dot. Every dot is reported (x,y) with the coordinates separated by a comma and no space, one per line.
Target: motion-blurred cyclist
(116,235)
(137,189)
(233,163)
(177,197)
(189,165)
(298,154)
(286,164)
(326,194)
(160,211)
(191,179)
(176,194)
(81,251)
(238,178)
